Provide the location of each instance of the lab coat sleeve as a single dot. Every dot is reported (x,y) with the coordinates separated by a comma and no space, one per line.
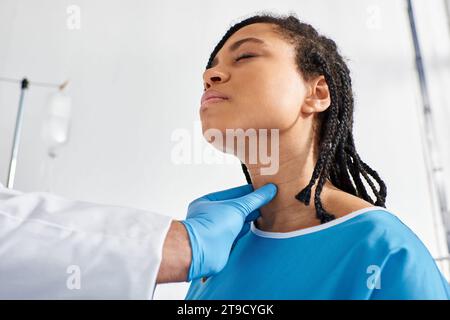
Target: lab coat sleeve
(55,248)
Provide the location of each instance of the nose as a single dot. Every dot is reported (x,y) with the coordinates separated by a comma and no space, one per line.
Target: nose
(213,76)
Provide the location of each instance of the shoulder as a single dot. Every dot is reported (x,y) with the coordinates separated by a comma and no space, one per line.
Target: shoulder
(341,203)
(374,219)
(380,238)
(380,231)
(405,266)
(402,258)
(371,225)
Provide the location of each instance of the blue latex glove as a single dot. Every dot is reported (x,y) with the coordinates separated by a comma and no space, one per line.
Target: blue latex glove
(217,220)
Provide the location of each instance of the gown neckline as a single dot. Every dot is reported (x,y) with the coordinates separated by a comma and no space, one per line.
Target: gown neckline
(309,230)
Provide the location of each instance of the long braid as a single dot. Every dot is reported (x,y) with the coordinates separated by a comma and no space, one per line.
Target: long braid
(338,139)
(365,170)
(327,147)
(338,160)
(247,175)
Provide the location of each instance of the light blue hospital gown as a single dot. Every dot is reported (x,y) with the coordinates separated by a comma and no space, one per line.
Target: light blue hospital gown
(367,254)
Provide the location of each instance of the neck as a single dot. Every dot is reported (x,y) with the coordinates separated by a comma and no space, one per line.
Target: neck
(296,164)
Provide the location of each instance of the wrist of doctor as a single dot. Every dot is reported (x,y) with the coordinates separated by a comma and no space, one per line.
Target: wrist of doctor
(177,255)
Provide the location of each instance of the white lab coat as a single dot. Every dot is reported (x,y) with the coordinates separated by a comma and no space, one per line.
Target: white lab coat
(55,248)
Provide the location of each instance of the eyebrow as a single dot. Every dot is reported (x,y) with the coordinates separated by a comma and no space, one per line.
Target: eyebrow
(237,44)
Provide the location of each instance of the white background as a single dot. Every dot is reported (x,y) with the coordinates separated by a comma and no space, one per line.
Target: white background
(135,70)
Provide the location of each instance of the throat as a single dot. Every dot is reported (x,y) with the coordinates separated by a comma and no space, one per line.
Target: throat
(291,219)
(286,213)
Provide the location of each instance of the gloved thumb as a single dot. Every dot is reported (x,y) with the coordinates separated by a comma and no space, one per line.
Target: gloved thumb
(257,198)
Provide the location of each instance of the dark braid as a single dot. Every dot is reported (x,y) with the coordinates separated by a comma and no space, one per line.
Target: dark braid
(338,160)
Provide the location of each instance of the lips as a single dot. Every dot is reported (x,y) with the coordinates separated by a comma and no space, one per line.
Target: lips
(213,96)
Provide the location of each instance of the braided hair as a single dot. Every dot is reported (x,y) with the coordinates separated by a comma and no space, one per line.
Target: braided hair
(338,160)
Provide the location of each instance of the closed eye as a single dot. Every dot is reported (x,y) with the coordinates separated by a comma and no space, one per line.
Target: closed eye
(244,56)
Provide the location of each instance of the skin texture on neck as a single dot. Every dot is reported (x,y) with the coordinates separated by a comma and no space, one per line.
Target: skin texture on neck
(296,164)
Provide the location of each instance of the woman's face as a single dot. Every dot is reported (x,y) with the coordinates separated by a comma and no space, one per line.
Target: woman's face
(260,78)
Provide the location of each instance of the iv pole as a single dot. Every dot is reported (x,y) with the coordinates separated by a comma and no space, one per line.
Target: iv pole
(435,170)
(24,84)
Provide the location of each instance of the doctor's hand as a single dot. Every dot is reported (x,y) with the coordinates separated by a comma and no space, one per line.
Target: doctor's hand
(217,220)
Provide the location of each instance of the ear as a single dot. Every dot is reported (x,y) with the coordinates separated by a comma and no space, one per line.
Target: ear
(318,98)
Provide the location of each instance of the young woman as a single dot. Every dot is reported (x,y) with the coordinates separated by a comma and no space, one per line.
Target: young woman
(322,237)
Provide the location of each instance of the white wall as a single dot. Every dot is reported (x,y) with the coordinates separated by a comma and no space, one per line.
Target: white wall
(135,70)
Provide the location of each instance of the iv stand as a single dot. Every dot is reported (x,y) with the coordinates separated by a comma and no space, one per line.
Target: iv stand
(24,84)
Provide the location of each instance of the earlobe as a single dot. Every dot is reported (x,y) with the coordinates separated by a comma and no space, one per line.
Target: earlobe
(307,108)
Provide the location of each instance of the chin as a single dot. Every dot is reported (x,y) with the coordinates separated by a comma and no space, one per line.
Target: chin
(211,124)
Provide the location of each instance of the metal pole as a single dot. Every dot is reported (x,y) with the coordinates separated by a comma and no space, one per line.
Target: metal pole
(447,11)
(17,132)
(436,170)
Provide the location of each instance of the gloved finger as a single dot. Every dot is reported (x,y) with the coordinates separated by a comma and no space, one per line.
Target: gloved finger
(257,198)
(244,230)
(231,193)
(253,216)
